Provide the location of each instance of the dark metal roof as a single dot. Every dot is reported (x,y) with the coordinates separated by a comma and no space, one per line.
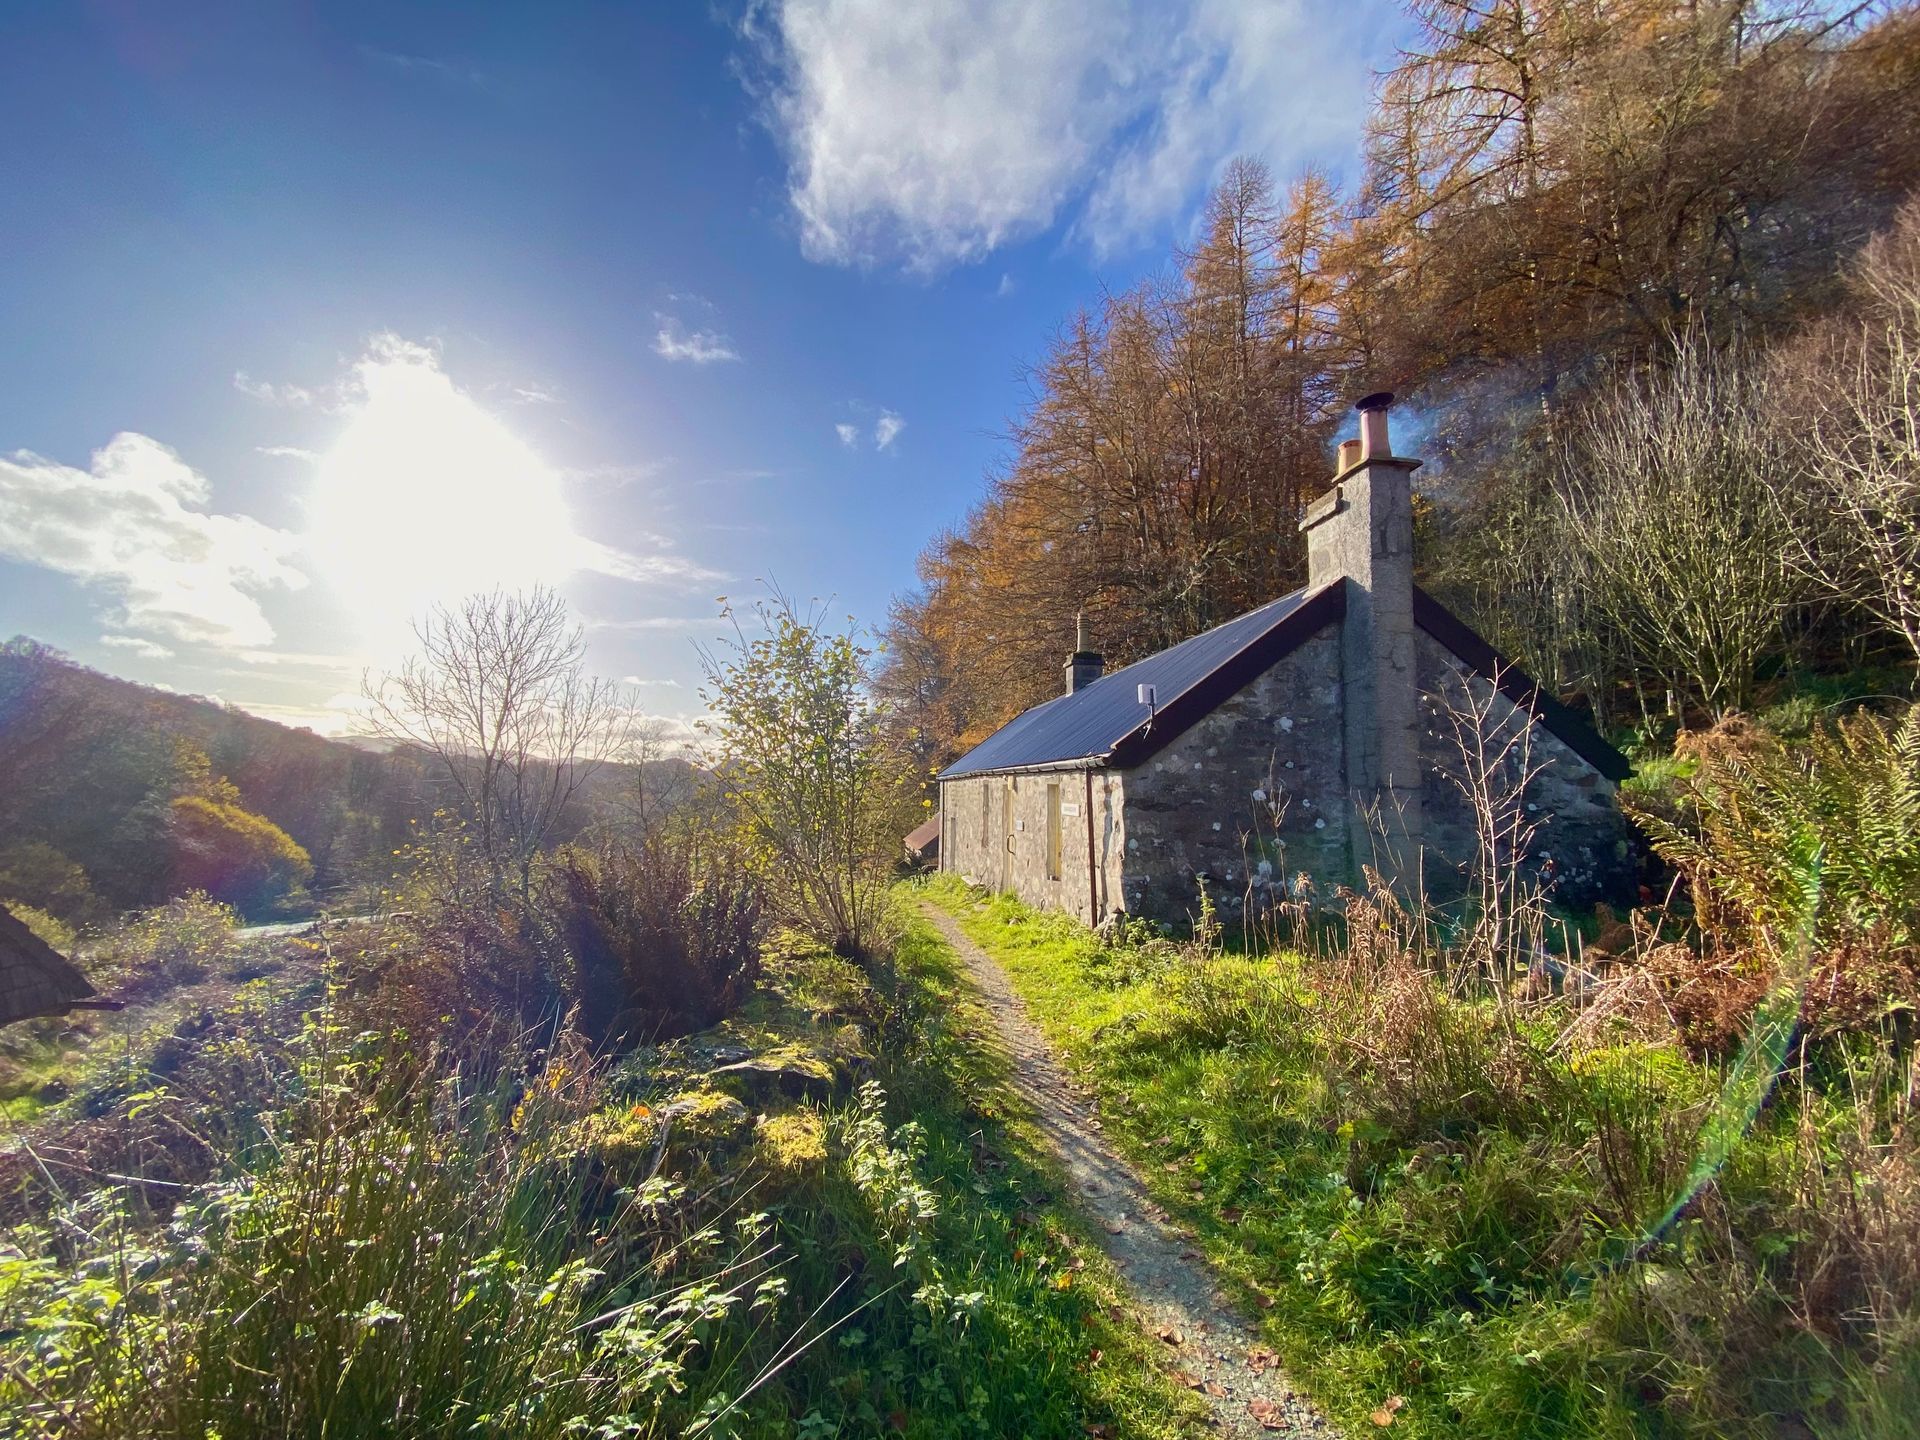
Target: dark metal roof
(1105,723)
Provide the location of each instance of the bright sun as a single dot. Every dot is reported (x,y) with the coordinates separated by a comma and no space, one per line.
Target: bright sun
(426,498)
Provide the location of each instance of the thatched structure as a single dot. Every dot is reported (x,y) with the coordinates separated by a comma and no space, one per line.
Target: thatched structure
(36,979)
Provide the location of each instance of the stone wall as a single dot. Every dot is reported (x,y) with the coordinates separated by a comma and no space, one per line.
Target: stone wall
(1583,847)
(994,833)
(1250,797)
(1255,795)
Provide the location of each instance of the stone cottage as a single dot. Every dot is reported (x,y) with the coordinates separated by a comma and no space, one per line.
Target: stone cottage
(1326,732)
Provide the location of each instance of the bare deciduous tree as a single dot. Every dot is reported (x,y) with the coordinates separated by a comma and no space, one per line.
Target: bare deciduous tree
(1668,493)
(500,697)
(1863,444)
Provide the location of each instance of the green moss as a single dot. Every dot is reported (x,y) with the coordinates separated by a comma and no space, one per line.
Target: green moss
(793,1144)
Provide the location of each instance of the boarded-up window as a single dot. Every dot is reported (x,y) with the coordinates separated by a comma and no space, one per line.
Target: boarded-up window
(1053,832)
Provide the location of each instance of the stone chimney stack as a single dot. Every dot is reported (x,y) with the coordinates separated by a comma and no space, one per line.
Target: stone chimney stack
(1361,532)
(1084,666)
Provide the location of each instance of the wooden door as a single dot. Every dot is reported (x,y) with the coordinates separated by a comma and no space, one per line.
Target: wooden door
(1006,832)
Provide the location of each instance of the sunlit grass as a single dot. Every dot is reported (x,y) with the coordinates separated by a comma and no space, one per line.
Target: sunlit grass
(1477,1247)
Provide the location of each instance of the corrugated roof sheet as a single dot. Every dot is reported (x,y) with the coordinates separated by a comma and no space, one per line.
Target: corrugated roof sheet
(1090,724)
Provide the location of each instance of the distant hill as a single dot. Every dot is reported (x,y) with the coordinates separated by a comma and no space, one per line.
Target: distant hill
(93,767)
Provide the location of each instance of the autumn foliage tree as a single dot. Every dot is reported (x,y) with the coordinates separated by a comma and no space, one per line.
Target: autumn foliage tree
(1556,193)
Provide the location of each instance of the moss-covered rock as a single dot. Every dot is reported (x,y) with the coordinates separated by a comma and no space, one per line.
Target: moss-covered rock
(793,1145)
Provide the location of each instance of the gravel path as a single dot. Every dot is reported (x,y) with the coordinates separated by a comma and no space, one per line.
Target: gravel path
(1209,1346)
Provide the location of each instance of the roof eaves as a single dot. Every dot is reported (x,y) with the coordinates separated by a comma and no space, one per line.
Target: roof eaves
(1071,762)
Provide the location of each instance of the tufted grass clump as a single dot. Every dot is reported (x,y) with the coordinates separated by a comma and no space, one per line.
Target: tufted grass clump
(407,1259)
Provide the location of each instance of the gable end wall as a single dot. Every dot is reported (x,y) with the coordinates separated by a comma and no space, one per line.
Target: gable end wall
(1251,796)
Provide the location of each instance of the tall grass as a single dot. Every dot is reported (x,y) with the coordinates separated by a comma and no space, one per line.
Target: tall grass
(417,1255)
(1523,1223)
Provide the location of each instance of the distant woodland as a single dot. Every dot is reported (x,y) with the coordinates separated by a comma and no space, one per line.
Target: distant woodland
(1641,277)
(114,796)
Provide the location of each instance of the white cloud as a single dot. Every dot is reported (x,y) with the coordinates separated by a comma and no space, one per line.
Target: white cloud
(296,397)
(136,525)
(1004,288)
(640,680)
(702,347)
(288,452)
(934,132)
(714,622)
(849,434)
(887,429)
(534,393)
(139,645)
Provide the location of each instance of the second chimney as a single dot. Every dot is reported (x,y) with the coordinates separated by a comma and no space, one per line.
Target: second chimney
(1084,665)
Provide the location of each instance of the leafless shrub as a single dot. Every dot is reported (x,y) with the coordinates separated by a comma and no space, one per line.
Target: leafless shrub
(1861,377)
(1493,768)
(1667,492)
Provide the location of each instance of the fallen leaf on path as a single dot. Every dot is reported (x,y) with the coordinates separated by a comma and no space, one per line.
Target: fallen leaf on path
(1261,1361)
(1383,1417)
(1185,1377)
(1169,1334)
(1270,1415)
(1215,1389)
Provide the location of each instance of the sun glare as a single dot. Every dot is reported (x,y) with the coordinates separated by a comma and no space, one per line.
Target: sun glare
(427,498)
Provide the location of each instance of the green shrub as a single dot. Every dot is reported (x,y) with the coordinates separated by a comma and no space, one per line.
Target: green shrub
(1838,819)
(55,932)
(1823,838)
(178,942)
(35,874)
(234,855)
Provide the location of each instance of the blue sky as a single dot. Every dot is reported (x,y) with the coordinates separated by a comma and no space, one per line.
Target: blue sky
(315,313)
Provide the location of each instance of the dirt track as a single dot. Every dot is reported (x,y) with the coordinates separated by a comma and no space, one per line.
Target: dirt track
(1208,1341)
